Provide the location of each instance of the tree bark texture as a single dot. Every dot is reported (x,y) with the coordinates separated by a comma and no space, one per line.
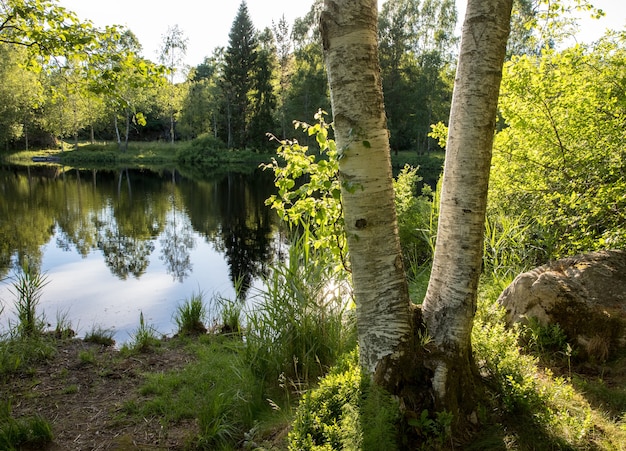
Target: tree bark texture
(350,40)
(450,302)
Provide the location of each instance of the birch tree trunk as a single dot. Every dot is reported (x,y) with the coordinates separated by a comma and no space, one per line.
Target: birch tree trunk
(387,324)
(450,301)
(350,40)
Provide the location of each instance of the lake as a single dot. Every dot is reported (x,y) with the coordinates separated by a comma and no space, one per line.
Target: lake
(114,244)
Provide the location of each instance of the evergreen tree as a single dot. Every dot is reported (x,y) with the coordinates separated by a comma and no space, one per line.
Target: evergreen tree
(241,62)
(263,96)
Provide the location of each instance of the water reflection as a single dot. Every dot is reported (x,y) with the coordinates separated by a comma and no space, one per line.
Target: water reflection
(140,225)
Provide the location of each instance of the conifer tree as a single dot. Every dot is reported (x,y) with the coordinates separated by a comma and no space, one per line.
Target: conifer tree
(240,65)
(264,101)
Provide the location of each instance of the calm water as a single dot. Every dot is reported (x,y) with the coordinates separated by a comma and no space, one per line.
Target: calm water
(114,244)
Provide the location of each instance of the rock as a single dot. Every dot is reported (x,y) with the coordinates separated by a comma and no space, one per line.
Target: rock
(585,295)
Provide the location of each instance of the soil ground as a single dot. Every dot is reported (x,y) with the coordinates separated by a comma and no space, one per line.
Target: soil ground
(82,390)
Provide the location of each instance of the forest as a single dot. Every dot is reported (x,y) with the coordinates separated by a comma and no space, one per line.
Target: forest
(554,188)
(92,84)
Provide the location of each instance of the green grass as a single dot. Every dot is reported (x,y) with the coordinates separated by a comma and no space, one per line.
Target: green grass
(22,433)
(27,290)
(191,315)
(144,339)
(230,401)
(19,354)
(100,335)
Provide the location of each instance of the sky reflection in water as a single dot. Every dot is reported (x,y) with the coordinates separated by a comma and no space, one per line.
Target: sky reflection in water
(88,292)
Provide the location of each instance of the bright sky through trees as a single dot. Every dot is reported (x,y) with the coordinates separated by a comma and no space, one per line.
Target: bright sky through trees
(207,25)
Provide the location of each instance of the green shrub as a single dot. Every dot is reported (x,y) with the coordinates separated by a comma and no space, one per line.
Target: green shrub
(345,411)
(417,217)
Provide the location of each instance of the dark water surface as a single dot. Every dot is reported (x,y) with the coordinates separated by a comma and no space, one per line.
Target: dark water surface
(114,244)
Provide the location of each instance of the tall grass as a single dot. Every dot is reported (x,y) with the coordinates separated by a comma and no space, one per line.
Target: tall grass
(144,339)
(300,322)
(24,343)
(191,315)
(22,433)
(28,289)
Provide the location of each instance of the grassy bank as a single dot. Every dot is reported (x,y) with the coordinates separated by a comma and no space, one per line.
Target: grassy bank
(139,154)
(222,386)
(194,158)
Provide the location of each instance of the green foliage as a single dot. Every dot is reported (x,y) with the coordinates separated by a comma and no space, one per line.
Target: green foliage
(417,217)
(542,339)
(299,325)
(191,315)
(506,248)
(21,433)
(45,27)
(416,41)
(208,155)
(309,191)
(432,432)
(18,354)
(521,389)
(345,411)
(558,163)
(536,25)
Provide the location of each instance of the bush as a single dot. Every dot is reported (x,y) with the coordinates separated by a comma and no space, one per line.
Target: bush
(417,218)
(346,411)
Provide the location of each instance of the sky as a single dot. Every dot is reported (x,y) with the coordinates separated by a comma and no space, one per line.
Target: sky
(207,27)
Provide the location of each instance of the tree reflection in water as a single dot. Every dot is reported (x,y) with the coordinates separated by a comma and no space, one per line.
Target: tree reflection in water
(137,220)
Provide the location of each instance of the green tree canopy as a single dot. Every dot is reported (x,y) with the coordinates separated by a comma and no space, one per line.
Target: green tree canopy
(559,161)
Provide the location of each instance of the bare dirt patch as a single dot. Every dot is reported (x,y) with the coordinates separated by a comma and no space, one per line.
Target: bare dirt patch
(82,392)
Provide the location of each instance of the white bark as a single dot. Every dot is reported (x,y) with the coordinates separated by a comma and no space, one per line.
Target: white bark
(350,36)
(450,301)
